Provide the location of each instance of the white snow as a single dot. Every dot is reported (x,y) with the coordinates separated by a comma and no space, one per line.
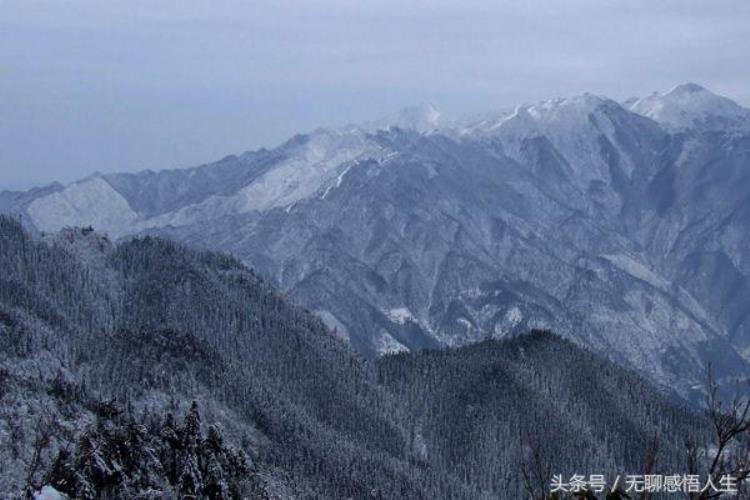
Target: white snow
(514,316)
(567,123)
(566,111)
(511,319)
(49,493)
(89,202)
(318,164)
(638,270)
(543,117)
(339,179)
(388,345)
(688,105)
(401,315)
(334,324)
(466,323)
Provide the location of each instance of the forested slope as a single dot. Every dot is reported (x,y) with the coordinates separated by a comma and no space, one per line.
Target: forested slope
(156,326)
(477,410)
(100,341)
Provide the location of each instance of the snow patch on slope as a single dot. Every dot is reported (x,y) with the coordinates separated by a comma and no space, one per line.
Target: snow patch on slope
(316,165)
(49,493)
(466,323)
(310,169)
(637,270)
(514,316)
(511,319)
(91,202)
(339,179)
(388,345)
(401,315)
(333,324)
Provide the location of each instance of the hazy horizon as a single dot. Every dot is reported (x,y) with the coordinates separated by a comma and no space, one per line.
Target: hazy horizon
(126,86)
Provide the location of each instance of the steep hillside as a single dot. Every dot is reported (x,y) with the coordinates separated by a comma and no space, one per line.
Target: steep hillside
(148,326)
(479,410)
(156,326)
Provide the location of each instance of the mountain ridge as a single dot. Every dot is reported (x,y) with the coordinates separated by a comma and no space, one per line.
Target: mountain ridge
(575,214)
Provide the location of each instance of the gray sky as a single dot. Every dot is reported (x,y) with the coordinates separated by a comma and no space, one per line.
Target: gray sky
(113,85)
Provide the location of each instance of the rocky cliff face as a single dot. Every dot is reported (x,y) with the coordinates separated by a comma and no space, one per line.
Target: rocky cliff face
(621,225)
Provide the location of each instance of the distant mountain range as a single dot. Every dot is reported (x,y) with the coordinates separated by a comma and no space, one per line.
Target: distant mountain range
(621,225)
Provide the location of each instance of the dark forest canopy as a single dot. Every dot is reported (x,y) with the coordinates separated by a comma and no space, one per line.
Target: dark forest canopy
(155,326)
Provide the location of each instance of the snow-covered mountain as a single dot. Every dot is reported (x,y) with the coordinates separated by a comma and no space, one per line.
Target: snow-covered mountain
(622,226)
(690,106)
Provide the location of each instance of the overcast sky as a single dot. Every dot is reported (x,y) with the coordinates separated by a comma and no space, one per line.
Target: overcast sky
(108,85)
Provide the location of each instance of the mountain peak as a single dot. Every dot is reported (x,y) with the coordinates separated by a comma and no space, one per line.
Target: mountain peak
(566,109)
(420,118)
(690,105)
(687,88)
(563,112)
